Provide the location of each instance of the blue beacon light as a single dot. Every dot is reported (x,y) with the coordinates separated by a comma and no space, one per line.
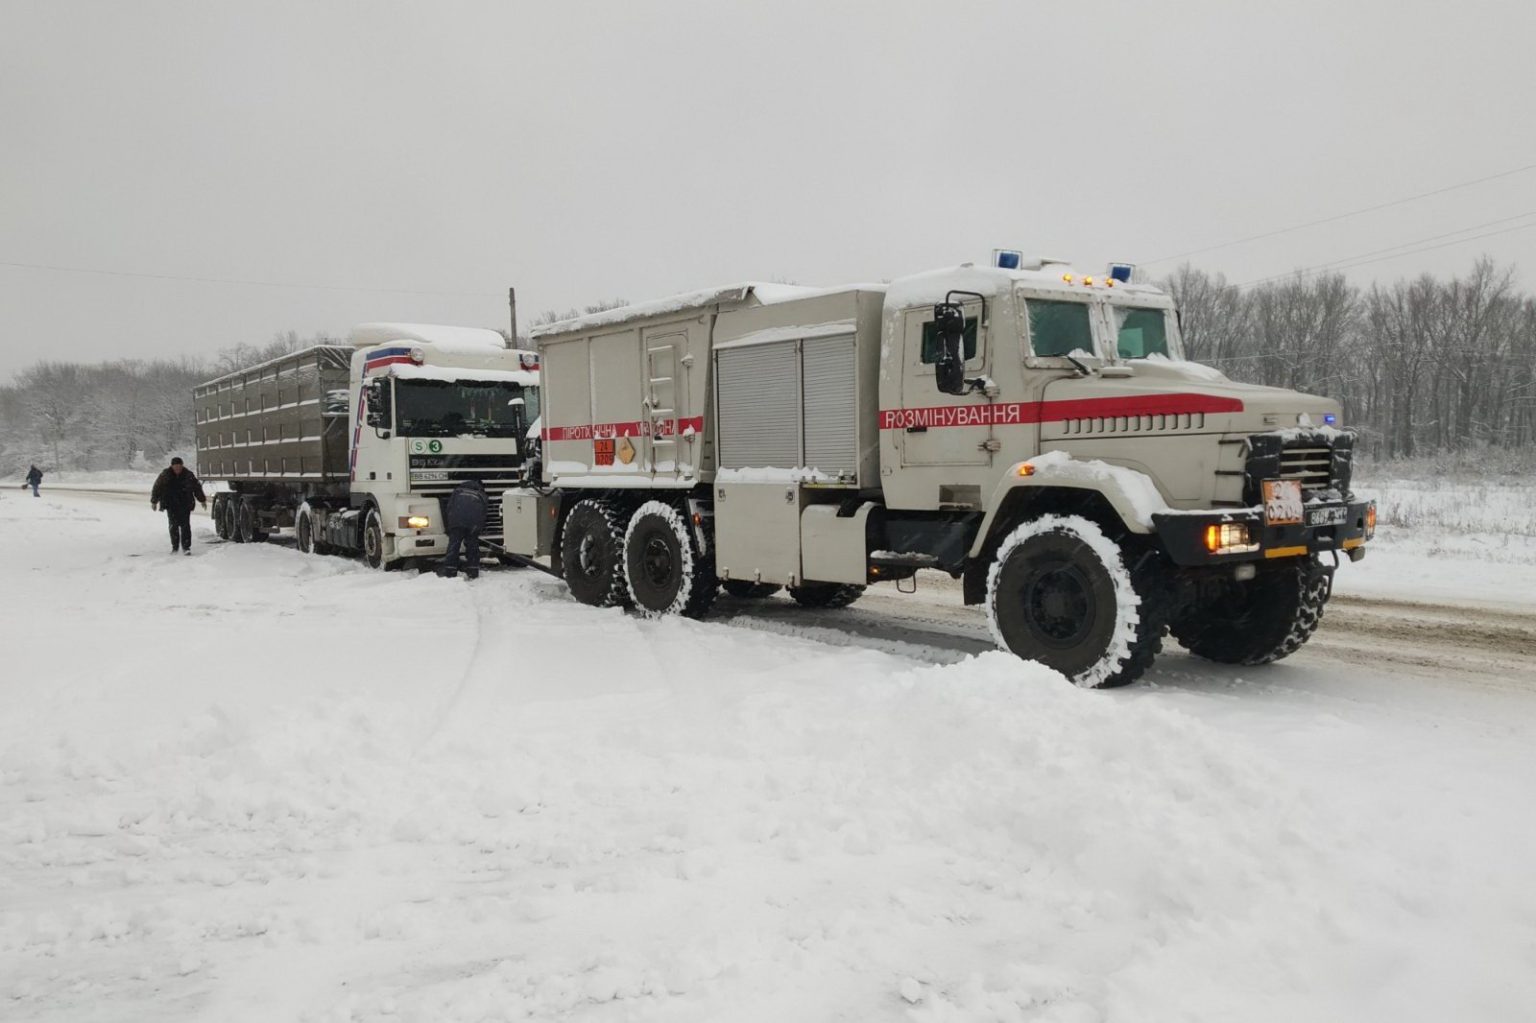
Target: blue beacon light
(1329,419)
(1008,259)
(1121,272)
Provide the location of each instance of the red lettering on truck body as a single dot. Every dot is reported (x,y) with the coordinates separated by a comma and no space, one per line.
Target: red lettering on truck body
(1023,412)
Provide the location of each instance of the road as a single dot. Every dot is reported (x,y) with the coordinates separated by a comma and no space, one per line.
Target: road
(1490,648)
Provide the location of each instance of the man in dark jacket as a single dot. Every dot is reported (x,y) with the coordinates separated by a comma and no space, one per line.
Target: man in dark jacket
(34,479)
(176,490)
(465,513)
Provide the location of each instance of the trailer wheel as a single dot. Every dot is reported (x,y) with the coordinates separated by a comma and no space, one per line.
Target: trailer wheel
(1262,620)
(1059,593)
(745,589)
(828,595)
(304,531)
(665,571)
(592,553)
(221,521)
(231,520)
(373,540)
(248,524)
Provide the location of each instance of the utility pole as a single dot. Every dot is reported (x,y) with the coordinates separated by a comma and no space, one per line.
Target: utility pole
(512,308)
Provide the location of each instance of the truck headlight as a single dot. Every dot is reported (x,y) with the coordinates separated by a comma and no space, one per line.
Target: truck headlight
(414,522)
(1230,538)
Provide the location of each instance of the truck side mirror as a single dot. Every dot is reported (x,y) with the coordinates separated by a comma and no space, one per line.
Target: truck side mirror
(380,414)
(949,331)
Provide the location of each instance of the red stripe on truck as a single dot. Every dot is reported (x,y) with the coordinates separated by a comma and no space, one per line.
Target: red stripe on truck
(1024,412)
(638,428)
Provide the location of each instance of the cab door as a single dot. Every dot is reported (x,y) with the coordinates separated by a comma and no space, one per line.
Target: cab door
(933,428)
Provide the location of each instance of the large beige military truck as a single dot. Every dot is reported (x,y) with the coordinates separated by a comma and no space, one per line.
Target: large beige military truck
(1030,430)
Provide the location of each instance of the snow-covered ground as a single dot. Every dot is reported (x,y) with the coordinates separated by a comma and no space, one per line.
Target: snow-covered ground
(1470,541)
(126,481)
(249,785)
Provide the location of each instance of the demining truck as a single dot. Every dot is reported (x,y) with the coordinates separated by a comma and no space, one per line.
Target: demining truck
(354,446)
(1031,430)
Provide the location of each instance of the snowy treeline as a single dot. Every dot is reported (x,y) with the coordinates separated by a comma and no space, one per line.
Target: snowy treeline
(112,415)
(1421,365)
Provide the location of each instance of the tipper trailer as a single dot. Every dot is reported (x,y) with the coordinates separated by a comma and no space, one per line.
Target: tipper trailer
(1028,429)
(354,446)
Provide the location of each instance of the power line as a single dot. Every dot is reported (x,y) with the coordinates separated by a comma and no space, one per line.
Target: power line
(1345,216)
(1361,259)
(244,283)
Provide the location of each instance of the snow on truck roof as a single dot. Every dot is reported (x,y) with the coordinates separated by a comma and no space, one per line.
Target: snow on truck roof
(931,286)
(454,375)
(367,335)
(762,293)
(917,289)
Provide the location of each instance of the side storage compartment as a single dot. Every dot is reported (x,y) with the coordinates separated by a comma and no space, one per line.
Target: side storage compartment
(757,532)
(528,521)
(834,549)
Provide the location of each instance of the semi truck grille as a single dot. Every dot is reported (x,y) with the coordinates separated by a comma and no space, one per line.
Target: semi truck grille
(1321,461)
(495,487)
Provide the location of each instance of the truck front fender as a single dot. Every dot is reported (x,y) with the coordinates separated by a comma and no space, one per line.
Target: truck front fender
(1058,483)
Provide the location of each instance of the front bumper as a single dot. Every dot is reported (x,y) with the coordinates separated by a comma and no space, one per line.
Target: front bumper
(1184,534)
(411,544)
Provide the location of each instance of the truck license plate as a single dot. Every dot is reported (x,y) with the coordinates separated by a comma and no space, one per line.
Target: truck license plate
(1282,502)
(1328,516)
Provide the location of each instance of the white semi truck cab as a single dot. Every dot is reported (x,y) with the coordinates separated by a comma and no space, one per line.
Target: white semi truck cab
(1027,428)
(354,447)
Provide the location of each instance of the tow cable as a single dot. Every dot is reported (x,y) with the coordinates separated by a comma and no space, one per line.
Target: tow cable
(518,559)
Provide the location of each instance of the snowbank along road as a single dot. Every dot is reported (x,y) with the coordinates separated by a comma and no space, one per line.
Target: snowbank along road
(248,785)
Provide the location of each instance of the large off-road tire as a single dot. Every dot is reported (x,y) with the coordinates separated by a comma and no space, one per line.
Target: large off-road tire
(373,541)
(1059,592)
(1261,620)
(592,553)
(746,589)
(826,595)
(304,531)
(664,569)
(248,524)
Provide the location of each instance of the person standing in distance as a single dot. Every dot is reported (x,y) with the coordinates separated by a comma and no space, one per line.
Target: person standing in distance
(34,479)
(465,509)
(175,491)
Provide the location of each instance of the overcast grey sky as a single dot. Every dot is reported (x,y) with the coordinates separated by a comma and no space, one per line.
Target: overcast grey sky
(439,152)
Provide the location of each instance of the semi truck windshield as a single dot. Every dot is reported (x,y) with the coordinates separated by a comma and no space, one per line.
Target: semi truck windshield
(435,408)
(1143,332)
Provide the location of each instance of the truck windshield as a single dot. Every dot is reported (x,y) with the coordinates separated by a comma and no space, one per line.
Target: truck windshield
(440,408)
(1143,332)
(1059,328)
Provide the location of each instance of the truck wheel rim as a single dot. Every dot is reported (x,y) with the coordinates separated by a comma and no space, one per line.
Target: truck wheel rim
(1059,602)
(586,556)
(657,562)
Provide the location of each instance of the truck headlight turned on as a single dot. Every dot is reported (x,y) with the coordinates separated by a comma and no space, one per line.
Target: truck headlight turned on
(1032,431)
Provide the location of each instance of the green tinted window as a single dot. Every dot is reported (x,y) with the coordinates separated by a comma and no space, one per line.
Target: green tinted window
(931,341)
(1143,332)
(1059,328)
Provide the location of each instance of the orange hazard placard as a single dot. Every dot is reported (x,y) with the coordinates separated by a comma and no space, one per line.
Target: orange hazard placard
(602,452)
